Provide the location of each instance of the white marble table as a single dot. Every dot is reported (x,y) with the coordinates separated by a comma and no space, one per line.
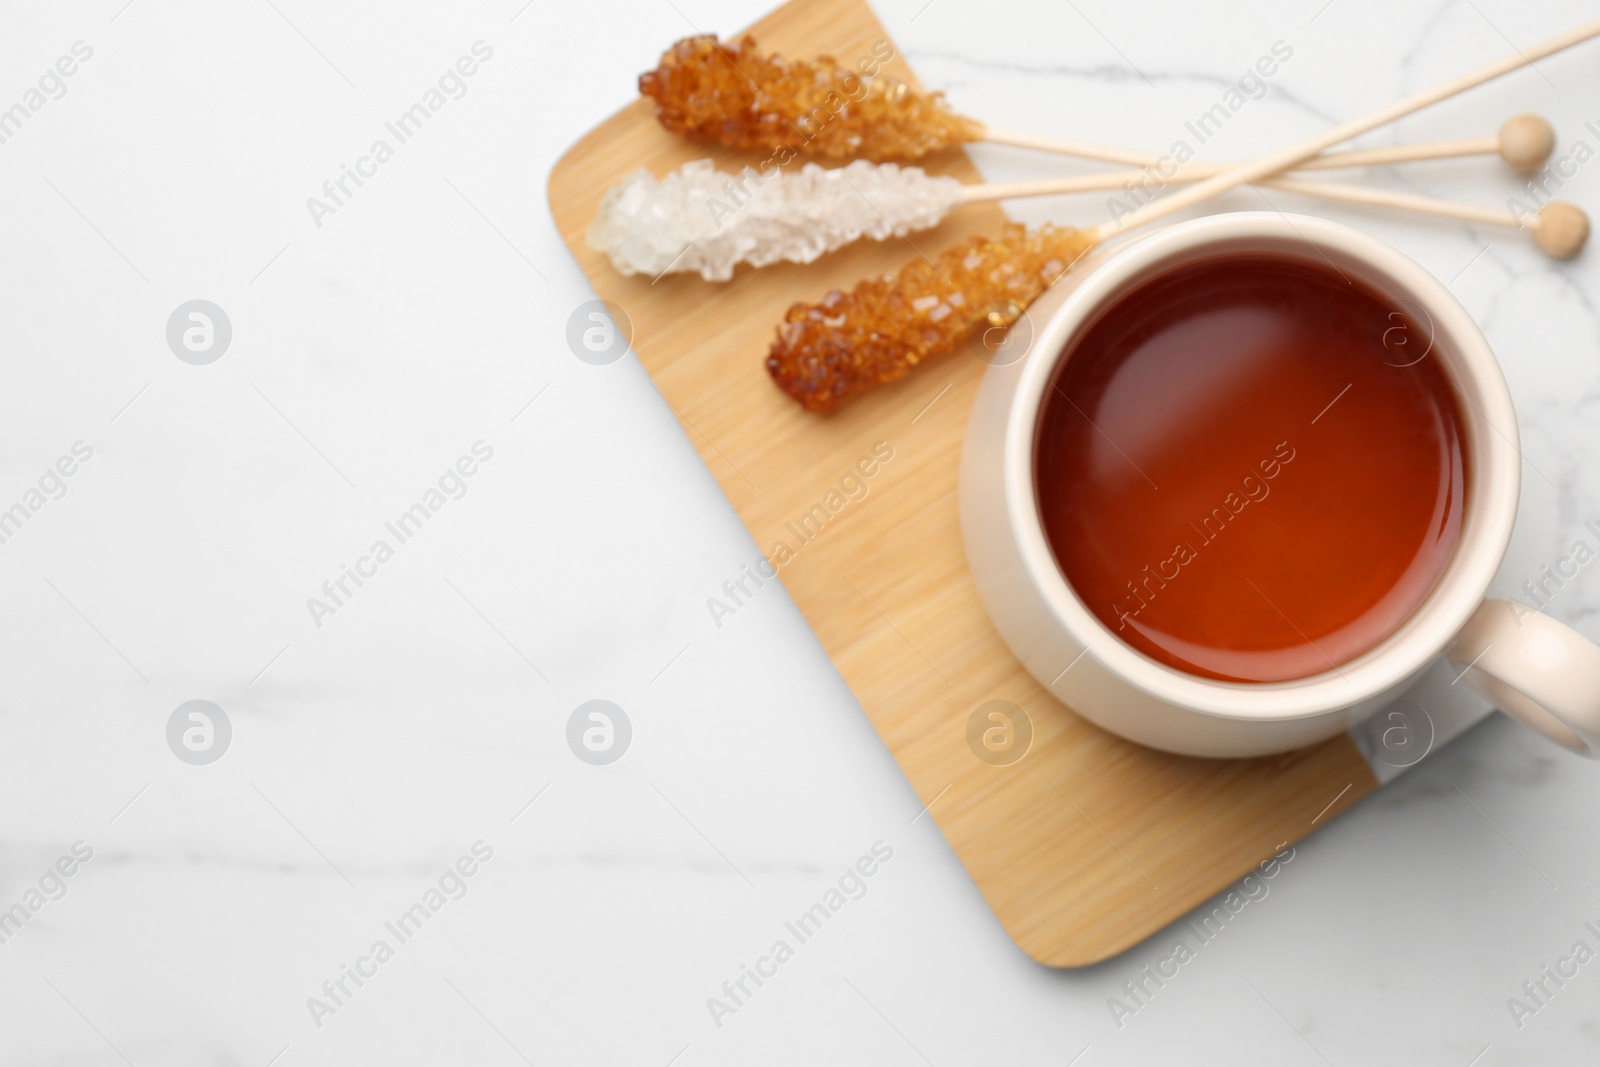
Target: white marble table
(378,741)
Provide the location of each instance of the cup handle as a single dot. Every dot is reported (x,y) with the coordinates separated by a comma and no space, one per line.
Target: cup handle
(1539,671)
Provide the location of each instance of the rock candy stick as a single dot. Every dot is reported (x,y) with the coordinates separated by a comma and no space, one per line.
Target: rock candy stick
(877,332)
(735,94)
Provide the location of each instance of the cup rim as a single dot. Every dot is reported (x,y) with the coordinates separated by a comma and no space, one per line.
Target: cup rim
(1490,437)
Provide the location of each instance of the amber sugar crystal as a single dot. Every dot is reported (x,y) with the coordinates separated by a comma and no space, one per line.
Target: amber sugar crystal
(878,331)
(735,94)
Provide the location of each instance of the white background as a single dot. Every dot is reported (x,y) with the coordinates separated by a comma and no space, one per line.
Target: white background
(368,754)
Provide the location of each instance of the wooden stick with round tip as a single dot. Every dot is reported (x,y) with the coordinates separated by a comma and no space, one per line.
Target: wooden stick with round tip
(1559,229)
(1288,158)
(984,192)
(1524,142)
(1404,153)
(1076,149)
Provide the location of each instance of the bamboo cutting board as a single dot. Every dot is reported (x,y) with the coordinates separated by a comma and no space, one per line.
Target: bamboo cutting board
(1088,843)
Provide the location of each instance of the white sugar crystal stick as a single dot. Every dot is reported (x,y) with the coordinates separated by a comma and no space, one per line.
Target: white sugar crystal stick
(698,218)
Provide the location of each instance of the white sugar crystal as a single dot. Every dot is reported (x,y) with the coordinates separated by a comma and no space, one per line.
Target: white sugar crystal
(701,219)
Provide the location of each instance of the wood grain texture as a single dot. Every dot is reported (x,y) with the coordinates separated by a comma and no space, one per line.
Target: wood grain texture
(1088,844)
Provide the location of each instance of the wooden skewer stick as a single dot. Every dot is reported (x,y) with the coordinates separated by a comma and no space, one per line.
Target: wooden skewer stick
(1559,229)
(1078,149)
(1118,179)
(1294,155)
(1524,142)
(1377,157)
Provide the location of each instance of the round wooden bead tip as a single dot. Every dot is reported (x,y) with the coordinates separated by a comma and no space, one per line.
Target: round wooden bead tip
(1560,229)
(1526,141)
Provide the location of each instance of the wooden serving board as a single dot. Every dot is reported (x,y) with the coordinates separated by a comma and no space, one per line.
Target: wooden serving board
(1089,843)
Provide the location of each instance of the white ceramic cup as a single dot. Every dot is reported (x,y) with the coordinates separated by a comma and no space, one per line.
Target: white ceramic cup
(1533,667)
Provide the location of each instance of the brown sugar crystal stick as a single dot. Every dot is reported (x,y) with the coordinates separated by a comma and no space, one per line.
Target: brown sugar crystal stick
(879,331)
(735,94)
(883,328)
